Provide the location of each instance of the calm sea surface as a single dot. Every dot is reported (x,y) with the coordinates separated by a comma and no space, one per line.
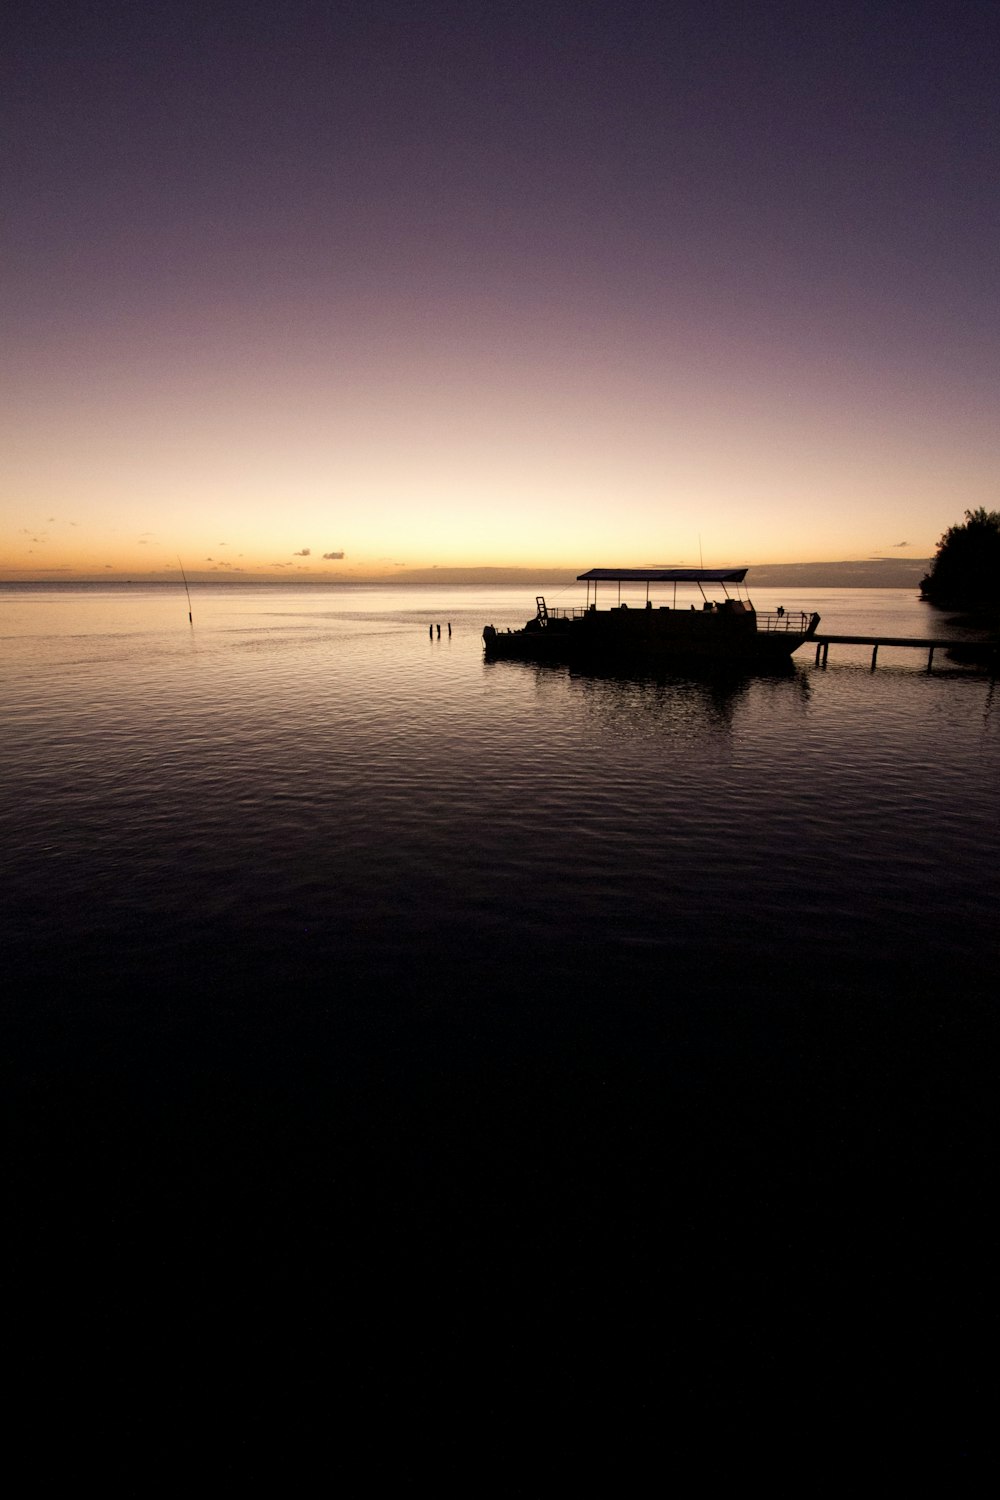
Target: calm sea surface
(311,775)
(658,1007)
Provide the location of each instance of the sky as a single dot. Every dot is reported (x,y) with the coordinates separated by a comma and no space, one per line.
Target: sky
(338,290)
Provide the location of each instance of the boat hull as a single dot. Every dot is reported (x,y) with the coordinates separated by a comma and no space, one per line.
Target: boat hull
(648,636)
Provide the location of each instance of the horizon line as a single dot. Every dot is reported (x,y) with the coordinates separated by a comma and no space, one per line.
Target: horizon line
(450,573)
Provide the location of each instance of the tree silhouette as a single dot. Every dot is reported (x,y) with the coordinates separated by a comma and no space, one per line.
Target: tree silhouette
(966,569)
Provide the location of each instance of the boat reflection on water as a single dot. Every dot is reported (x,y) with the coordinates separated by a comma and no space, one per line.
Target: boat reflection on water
(680,704)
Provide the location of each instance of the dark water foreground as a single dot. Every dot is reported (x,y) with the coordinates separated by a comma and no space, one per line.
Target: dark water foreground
(494,1205)
(486,1076)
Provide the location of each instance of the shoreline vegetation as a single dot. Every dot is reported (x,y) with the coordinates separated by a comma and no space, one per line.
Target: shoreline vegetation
(965,576)
(965,572)
(875,573)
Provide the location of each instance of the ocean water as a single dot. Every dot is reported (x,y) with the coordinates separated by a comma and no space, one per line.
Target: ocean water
(306,780)
(495,1018)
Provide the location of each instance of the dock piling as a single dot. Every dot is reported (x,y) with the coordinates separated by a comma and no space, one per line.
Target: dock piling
(922,643)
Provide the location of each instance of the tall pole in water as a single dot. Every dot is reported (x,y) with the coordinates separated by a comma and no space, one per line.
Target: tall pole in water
(186,590)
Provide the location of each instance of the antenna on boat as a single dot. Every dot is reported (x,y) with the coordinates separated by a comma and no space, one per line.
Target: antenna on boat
(701,560)
(186,590)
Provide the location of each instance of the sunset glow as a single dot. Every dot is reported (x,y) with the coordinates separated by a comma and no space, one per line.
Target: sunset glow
(386,305)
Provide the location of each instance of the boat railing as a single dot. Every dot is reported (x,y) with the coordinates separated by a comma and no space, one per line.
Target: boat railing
(782,620)
(557,612)
(786,620)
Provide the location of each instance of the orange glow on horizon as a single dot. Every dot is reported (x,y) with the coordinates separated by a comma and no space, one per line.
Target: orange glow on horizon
(486,453)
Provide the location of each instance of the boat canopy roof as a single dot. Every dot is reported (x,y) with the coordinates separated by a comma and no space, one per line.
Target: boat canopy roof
(663,575)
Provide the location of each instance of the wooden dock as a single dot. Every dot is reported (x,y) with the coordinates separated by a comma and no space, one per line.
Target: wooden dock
(990,649)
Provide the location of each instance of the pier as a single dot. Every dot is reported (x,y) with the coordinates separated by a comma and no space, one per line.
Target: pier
(989,649)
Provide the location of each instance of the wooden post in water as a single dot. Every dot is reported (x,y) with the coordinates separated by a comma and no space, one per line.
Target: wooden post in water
(188,592)
(874,656)
(930,658)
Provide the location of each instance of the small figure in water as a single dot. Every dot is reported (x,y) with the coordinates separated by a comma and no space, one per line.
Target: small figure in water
(439,632)
(430,631)
(449,627)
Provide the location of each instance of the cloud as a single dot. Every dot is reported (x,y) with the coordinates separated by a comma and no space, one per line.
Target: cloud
(304,553)
(901,544)
(332,556)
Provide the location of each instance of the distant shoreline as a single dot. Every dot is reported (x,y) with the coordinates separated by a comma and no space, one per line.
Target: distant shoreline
(875,573)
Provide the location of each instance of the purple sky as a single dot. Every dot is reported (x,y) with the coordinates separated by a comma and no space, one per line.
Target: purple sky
(497,283)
